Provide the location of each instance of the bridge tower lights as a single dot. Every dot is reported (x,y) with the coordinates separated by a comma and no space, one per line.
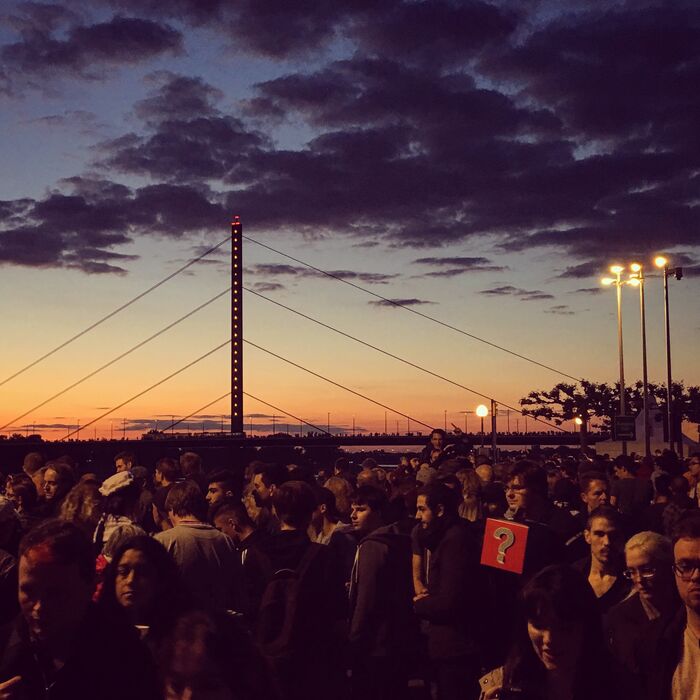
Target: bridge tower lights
(236,326)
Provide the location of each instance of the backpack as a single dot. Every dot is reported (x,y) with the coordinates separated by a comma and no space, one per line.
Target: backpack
(286,609)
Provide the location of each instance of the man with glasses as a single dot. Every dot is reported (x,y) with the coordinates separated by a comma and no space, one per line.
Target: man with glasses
(674,668)
(628,625)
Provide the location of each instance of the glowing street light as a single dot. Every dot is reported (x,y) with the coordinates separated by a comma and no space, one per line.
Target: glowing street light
(482,411)
(617,270)
(637,280)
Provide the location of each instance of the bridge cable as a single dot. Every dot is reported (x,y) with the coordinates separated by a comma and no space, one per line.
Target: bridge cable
(400,359)
(145,391)
(117,358)
(113,313)
(255,398)
(393,302)
(211,352)
(342,386)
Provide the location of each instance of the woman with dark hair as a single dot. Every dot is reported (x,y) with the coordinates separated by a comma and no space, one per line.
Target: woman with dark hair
(144,582)
(559,652)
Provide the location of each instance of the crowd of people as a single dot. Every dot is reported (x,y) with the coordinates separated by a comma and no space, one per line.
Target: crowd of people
(351,581)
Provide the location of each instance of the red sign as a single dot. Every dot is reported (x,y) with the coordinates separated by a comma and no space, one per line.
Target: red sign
(504,545)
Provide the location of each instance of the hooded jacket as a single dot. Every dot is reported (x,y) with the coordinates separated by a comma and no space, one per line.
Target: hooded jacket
(456,592)
(381,590)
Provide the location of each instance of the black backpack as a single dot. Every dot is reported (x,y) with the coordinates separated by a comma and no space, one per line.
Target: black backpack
(287,609)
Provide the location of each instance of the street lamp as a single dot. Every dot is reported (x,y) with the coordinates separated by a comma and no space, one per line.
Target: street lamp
(616,281)
(662,262)
(482,411)
(637,280)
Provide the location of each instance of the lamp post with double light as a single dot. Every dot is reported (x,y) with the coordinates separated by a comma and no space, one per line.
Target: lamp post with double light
(617,270)
(662,262)
(637,280)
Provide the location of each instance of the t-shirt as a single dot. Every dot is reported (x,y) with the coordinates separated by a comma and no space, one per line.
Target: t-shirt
(209,564)
(684,685)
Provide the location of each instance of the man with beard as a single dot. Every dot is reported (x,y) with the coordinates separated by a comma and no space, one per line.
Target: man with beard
(382,627)
(603,568)
(674,662)
(455,593)
(266,480)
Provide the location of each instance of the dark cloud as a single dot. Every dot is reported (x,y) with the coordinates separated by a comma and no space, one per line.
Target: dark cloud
(458,266)
(392,303)
(277,269)
(80,228)
(83,50)
(560,310)
(83,121)
(263,287)
(588,290)
(522,294)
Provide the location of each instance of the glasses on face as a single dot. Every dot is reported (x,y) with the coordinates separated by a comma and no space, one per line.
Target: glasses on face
(686,569)
(644,574)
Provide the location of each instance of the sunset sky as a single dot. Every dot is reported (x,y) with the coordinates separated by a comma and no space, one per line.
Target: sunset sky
(480,162)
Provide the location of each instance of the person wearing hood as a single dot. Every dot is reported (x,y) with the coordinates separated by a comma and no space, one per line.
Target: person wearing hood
(455,593)
(383,628)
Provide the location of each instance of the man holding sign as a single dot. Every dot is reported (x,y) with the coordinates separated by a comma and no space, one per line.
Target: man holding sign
(455,592)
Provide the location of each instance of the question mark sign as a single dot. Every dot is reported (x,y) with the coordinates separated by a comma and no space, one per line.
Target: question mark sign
(507,538)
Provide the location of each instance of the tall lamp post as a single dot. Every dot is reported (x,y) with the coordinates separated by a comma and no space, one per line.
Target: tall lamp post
(637,280)
(662,262)
(482,411)
(617,270)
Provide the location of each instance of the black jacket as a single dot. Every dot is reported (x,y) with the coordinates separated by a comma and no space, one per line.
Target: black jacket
(108,662)
(663,653)
(382,622)
(454,606)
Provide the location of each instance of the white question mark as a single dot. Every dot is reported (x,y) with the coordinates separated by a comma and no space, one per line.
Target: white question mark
(507,538)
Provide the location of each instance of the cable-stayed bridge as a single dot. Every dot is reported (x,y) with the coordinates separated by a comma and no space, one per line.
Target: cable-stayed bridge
(545,433)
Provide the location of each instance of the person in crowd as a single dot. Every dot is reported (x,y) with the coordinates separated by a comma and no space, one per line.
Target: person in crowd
(493,501)
(629,494)
(324,521)
(32,463)
(653,515)
(595,492)
(167,474)
(674,655)
(678,505)
(301,655)
(83,507)
(485,472)
(471,487)
(603,567)
(221,486)
(342,490)
(454,592)
(62,646)
(124,461)
(266,480)
(21,492)
(58,481)
(120,506)
(382,633)
(692,476)
(629,624)
(559,650)
(432,452)
(208,562)
(144,582)
(143,513)
(231,518)
(191,468)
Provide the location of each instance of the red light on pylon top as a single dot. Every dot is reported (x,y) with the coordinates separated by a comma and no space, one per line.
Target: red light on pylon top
(236,220)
